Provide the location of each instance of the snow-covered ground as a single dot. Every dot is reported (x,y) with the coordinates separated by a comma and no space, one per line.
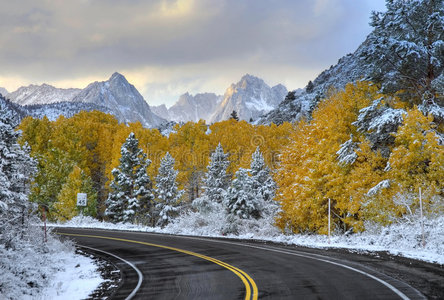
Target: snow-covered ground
(50,270)
(76,278)
(402,239)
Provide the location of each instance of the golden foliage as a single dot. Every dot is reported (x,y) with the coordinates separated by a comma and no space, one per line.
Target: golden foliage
(91,141)
(310,173)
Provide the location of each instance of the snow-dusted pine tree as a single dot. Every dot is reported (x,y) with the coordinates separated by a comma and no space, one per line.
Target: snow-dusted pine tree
(262,181)
(131,194)
(406,49)
(241,200)
(167,192)
(16,169)
(379,122)
(216,179)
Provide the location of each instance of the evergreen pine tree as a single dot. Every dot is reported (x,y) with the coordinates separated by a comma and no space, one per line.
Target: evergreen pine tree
(167,192)
(310,87)
(131,194)
(216,179)
(241,200)
(406,49)
(234,115)
(263,184)
(290,97)
(16,168)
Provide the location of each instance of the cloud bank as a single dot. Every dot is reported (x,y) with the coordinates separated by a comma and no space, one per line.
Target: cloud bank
(166,48)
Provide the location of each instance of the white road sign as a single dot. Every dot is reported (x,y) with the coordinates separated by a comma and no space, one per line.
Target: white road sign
(81,199)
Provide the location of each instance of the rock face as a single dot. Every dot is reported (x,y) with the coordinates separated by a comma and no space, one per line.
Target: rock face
(161,111)
(189,108)
(251,97)
(194,108)
(122,99)
(41,94)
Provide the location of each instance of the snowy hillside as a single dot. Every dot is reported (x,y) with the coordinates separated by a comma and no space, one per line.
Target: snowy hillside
(41,94)
(349,68)
(66,109)
(18,112)
(250,98)
(30,260)
(121,98)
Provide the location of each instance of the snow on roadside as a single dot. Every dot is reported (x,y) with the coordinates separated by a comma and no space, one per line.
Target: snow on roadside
(401,239)
(35,269)
(76,279)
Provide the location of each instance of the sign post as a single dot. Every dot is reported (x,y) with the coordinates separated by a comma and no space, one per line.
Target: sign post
(82,201)
(329,220)
(44,221)
(422,219)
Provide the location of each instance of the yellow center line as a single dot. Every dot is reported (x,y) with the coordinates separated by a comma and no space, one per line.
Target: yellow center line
(246,279)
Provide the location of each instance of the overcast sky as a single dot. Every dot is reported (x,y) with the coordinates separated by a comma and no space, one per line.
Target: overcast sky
(166,47)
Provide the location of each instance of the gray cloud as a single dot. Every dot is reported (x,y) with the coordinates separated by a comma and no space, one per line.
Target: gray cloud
(59,40)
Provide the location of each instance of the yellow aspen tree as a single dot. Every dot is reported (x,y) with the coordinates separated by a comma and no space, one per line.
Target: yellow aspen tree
(365,173)
(189,146)
(310,172)
(417,161)
(37,133)
(66,204)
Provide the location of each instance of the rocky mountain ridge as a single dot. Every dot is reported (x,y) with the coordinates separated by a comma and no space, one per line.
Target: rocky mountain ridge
(41,94)
(121,98)
(250,97)
(115,96)
(190,108)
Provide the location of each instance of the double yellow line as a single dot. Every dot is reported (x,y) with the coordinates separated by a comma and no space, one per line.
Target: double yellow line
(251,291)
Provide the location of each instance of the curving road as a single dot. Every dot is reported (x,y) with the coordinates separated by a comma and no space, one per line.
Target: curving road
(156,266)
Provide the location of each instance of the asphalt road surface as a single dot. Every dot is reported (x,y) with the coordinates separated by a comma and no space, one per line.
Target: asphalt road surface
(156,266)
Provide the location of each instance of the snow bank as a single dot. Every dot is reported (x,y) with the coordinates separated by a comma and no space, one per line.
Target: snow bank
(39,270)
(403,239)
(77,277)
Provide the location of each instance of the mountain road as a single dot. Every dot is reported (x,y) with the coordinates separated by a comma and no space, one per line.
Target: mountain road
(159,266)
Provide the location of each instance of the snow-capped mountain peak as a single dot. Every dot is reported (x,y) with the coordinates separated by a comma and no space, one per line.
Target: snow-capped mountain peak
(250,98)
(122,98)
(41,94)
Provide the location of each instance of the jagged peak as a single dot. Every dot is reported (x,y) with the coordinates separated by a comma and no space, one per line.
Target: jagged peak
(246,81)
(159,106)
(250,78)
(117,77)
(30,86)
